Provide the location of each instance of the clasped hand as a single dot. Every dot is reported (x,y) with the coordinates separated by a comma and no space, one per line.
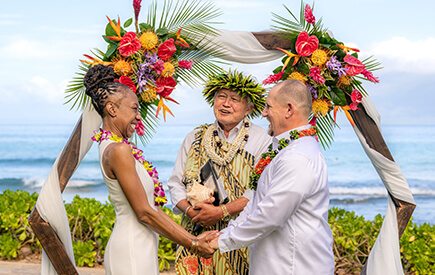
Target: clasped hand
(205,249)
(208,214)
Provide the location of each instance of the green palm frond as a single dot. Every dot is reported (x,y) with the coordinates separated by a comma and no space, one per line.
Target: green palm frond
(326,127)
(194,17)
(285,25)
(372,64)
(75,91)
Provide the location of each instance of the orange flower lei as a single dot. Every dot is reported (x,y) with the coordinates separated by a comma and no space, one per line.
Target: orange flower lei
(267,157)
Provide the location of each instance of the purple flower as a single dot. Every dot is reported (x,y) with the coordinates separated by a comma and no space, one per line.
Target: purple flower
(313,91)
(145,71)
(334,65)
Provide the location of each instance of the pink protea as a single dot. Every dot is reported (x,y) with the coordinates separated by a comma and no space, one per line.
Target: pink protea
(308,13)
(140,128)
(370,76)
(273,78)
(136,7)
(315,74)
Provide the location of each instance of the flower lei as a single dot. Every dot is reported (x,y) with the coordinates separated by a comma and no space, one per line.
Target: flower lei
(270,154)
(212,140)
(159,194)
(331,70)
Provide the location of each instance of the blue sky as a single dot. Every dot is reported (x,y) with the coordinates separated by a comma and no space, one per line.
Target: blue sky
(42,41)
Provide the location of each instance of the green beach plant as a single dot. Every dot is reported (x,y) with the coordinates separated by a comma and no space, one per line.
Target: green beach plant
(91,224)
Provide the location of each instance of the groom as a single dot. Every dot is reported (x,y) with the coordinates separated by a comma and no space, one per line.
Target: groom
(286,223)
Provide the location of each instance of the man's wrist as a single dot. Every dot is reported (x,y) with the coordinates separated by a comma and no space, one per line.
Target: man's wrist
(225,214)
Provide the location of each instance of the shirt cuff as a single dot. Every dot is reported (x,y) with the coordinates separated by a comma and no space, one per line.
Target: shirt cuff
(249,194)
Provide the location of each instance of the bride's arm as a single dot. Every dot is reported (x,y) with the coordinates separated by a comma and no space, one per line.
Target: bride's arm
(122,163)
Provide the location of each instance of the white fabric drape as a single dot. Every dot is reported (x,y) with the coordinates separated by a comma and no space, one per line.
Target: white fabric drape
(384,258)
(243,47)
(50,203)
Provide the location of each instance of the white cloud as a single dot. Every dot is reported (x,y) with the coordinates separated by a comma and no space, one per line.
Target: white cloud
(10,19)
(43,88)
(400,54)
(240,4)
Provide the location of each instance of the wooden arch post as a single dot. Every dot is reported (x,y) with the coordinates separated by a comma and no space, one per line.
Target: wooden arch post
(70,156)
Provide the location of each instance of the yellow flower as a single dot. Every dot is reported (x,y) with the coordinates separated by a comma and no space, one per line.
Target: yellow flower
(344,80)
(297,76)
(122,67)
(149,40)
(169,69)
(149,94)
(321,107)
(319,57)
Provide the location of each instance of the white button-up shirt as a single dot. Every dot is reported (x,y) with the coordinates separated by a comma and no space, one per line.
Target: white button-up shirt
(257,144)
(286,222)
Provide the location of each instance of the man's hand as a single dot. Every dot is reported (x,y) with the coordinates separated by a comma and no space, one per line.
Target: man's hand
(208,215)
(214,243)
(204,248)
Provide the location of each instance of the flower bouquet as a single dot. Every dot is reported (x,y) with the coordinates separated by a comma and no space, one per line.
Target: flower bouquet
(154,57)
(331,70)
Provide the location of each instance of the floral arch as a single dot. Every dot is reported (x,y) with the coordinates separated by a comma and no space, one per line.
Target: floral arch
(49,220)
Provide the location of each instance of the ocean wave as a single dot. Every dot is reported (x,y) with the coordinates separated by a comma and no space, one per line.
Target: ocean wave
(36,183)
(38,161)
(376,191)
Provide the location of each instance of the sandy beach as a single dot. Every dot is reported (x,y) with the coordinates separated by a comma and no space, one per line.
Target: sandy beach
(27,268)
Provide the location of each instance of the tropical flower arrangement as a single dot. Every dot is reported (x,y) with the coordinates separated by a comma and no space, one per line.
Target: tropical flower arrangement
(331,70)
(153,58)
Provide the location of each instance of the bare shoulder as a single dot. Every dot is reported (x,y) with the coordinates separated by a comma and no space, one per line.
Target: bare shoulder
(118,152)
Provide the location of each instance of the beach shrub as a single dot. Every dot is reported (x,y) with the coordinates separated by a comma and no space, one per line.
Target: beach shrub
(91,224)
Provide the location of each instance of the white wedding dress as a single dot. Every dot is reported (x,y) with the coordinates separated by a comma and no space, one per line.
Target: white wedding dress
(133,247)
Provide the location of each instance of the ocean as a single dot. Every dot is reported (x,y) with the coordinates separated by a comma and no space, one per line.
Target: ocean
(27,153)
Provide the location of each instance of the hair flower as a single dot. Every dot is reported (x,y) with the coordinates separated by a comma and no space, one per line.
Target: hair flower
(127,82)
(129,44)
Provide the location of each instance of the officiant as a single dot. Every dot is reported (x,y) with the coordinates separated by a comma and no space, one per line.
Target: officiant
(234,145)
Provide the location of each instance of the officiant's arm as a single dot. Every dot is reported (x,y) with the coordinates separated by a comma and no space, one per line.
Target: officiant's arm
(121,164)
(210,214)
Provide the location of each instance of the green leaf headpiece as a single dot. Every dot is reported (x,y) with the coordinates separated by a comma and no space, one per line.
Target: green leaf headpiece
(243,85)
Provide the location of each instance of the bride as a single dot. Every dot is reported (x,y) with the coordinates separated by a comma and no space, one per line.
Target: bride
(133,245)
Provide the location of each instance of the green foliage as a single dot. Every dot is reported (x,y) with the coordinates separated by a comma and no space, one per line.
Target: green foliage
(91,224)
(84,253)
(166,247)
(418,248)
(15,231)
(9,245)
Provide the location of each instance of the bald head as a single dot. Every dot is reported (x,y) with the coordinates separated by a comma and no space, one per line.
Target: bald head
(296,92)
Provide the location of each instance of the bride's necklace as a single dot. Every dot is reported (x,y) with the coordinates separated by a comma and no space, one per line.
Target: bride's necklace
(212,140)
(270,154)
(159,194)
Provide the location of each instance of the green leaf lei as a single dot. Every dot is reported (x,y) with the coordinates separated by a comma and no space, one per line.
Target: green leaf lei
(270,154)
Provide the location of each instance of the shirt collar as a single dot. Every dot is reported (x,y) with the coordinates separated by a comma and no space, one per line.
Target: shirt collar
(286,135)
(232,132)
